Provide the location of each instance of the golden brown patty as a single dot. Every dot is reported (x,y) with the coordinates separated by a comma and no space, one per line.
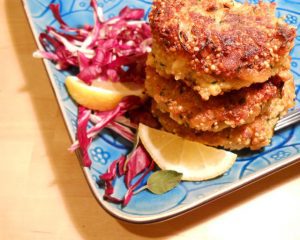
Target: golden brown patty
(254,135)
(232,109)
(217,46)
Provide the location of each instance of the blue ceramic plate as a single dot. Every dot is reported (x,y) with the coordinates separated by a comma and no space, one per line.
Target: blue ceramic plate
(147,207)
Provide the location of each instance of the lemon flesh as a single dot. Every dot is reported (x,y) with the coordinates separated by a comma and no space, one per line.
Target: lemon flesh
(101,95)
(194,160)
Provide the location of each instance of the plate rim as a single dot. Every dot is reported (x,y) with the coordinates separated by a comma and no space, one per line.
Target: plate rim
(233,187)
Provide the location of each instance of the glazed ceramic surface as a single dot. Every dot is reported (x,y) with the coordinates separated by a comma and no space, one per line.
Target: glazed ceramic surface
(145,206)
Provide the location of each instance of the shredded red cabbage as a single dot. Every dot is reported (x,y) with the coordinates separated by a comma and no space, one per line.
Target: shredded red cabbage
(111,50)
(107,117)
(83,139)
(139,160)
(137,163)
(115,49)
(131,189)
(122,126)
(85,136)
(125,132)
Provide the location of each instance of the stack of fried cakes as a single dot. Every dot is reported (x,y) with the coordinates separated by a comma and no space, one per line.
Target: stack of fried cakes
(219,71)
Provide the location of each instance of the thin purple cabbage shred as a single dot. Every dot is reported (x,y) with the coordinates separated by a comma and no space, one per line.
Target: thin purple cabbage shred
(100,51)
(137,163)
(105,118)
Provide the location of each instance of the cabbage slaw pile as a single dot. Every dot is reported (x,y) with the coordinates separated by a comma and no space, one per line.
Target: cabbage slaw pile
(112,50)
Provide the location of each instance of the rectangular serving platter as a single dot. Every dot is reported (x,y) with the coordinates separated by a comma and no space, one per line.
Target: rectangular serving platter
(146,207)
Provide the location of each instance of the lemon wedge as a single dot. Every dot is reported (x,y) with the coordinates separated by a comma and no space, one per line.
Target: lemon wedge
(101,95)
(194,160)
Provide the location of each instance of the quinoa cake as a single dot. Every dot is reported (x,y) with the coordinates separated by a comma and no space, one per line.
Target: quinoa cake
(216,46)
(232,109)
(254,135)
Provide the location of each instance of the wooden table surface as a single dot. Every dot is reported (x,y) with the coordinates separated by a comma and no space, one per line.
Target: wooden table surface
(43,192)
